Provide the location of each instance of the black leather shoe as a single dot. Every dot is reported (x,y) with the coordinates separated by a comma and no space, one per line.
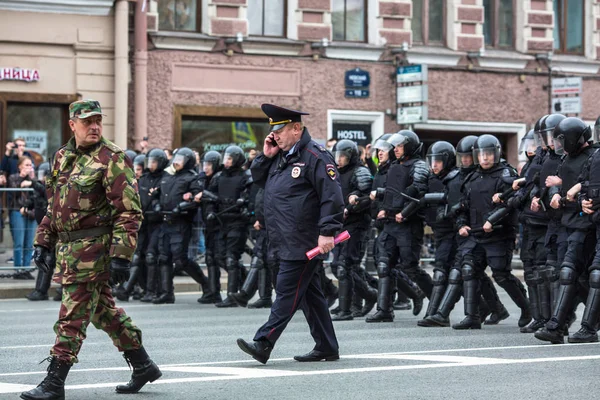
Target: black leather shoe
(259,350)
(497,316)
(584,335)
(468,323)
(437,320)
(316,355)
(241,298)
(36,295)
(525,317)
(418,304)
(554,336)
(381,316)
(343,316)
(227,303)
(402,305)
(533,326)
(261,303)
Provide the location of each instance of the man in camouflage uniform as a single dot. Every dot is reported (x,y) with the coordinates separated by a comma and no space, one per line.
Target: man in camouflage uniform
(93,218)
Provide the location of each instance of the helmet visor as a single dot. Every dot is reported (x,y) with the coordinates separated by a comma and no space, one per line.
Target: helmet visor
(397,140)
(437,162)
(464,160)
(179,160)
(559,145)
(528,146)
(486,156)
(545,138)
(597,133)
(383,145)
(341,158)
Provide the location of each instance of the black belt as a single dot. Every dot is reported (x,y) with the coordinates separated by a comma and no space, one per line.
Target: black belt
(72,236)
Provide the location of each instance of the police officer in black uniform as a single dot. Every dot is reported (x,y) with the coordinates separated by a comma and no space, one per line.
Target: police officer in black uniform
(402,235)
(573,137)
(231,185)
(177,193)
(303,209)
(481,210)
(356,184)
(211,165)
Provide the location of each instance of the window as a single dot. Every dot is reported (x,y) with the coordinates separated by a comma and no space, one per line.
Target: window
(568,26)
(498,23)
(212,133)
(348,18)
(266,17)
(428,21)
(179,15)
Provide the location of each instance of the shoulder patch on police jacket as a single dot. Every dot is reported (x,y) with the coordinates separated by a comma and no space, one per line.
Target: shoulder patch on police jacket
(331,172)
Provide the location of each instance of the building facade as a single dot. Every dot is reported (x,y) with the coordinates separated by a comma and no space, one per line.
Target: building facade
(211,63)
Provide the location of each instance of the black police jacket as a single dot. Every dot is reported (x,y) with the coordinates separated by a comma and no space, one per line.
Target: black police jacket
(590,183)
(38,202)
(356,180)
(379,181)
(478,207)
(550,165)
(521,200)
(230,185)
(173,187)
(149,180)
(302,199)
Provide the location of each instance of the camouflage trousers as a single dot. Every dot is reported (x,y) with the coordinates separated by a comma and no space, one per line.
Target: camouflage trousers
(93,302)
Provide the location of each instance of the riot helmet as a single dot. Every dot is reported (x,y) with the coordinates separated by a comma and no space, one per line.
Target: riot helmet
(184,158)
(464,152)
(131,154)
(547,127)
(411,142)
(211,159)
(537,131)
(597,130)
(156,160)
(486,151)
(528,144)
(140,159)
(441,156)
(236,155)
(570,135)
(43,170)
(382,145)
(346,153)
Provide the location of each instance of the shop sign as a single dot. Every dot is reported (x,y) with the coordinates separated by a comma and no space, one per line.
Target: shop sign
(359,133)
(36,141)
(19,74)
(412,115)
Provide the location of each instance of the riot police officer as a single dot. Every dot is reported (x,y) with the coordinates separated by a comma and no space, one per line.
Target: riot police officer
(402,234)
(231,185)
(573,137)
(481,210)
(139,164)
(176,193)
(356,184)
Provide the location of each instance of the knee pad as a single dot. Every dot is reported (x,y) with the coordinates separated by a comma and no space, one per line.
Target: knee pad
(567,276)
(136,260)
(151,259)
(455,276)
(595,279)
(500,276)
(383,269)
(439,278)
(468,271)
(530,278)
(231,264)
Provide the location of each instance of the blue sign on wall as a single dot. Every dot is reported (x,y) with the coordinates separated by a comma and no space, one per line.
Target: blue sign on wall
(357,93)
(357,78)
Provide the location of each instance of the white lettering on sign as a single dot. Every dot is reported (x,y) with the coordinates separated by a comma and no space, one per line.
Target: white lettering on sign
(356,135)
(19,74)
(358,77)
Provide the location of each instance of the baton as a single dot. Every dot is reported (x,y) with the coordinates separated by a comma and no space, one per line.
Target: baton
(342,237)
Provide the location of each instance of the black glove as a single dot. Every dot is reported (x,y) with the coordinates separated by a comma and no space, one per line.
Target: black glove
(119,270)
(40,255)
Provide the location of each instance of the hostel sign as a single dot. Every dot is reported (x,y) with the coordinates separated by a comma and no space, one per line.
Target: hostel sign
(19,74)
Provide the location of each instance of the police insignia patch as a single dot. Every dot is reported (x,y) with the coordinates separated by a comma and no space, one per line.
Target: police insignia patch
(296,172)
(331,171)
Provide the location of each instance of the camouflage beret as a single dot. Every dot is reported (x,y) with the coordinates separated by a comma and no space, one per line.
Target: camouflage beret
(84,109)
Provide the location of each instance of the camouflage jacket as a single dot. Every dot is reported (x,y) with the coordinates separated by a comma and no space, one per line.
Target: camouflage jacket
(88,188)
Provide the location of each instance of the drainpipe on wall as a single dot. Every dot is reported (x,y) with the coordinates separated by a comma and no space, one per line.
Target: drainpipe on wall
(121,71)
(141,73)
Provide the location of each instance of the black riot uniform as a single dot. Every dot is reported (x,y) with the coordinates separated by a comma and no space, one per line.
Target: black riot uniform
(408,175)
(572,136)
(496,247)
(303,201)
(177,223)
(231,185)
(261,275)
(356,183)
(211,165)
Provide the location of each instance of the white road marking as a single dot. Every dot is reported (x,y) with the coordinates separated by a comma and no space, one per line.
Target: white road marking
(257,371)
(33,346)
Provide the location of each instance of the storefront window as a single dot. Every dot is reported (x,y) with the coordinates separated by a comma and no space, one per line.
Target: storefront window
(266,17)
(40,125)
(205,134)
(178,15)
(348,20)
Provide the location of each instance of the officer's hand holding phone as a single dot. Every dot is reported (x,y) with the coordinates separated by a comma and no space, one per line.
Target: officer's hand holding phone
(270,148)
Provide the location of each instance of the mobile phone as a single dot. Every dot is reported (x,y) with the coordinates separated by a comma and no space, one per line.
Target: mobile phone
(272,141)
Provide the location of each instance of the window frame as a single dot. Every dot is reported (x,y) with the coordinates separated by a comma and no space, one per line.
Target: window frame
(562,31)
(495,29)
(198,20)
(285,22)
(425,26)
(365,25)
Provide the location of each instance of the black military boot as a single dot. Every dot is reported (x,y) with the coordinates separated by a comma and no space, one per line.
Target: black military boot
(213,295)
(384,313)
(412,290)
(364,291)
(151,282)
(166,286)
(250,283)
(233,279)
(402,302)
(53,385)
(471,294)
(554,330)
(517,293)
(58,295)
(259,350)
(42,283)
(370,301)
(589,321)
(265,290)
(437,293)
(125,290)
(451,296)
(144,370)
(36,295)
(195,272)
(344,295)
(532,290)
